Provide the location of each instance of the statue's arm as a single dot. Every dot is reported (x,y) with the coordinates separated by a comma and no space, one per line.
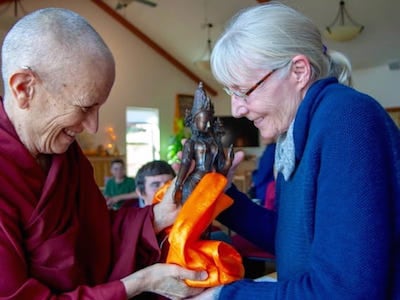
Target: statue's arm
(224,163)
(186,161)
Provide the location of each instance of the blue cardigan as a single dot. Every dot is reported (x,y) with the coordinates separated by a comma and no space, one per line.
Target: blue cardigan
(336,233)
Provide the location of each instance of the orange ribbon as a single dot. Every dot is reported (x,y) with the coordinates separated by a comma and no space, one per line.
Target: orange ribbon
(222,262)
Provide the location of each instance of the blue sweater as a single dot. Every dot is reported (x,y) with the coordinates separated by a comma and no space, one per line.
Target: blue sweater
(337,230)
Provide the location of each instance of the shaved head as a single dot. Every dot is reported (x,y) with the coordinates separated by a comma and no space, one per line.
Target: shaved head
(57,73)
(55,43)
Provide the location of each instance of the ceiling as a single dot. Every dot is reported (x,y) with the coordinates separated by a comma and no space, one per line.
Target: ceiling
(178,27)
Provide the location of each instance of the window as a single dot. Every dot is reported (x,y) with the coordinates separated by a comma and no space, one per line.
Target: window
(142,137)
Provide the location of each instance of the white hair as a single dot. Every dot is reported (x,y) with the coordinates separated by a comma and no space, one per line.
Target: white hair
(268,36)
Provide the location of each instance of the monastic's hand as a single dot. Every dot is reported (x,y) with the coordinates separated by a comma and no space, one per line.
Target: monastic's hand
(208,294)
(166,211)
(163,279)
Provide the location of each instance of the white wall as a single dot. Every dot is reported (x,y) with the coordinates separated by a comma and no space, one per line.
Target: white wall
(379,82)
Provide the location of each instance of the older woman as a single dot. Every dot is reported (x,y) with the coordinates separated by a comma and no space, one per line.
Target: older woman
(336,232)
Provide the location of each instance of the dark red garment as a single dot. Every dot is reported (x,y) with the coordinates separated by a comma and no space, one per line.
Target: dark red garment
(270,196)
(56,235)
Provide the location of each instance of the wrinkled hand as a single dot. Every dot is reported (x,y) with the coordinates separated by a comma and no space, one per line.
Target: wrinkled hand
(208,294)
(163,279)
(166,211)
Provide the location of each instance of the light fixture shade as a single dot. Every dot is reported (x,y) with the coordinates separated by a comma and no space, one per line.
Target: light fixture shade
(203,63)
(343,28)
(343,33)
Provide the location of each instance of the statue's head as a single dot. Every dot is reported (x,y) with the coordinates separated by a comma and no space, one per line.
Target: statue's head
(202,110)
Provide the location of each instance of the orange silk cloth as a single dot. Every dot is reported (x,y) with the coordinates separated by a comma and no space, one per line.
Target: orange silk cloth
(222,262)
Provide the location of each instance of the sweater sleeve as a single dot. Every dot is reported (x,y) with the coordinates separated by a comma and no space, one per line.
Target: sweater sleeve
(252,221)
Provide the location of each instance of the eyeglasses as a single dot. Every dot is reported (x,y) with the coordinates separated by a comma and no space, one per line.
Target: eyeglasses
(244,95)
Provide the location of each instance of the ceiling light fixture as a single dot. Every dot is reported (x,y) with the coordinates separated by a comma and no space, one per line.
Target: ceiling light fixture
(204,62)
(124,3)
(340,30)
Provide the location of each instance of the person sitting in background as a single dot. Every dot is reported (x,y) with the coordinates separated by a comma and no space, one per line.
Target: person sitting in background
(57,237)
(149,178)
(336,229)
(119,188)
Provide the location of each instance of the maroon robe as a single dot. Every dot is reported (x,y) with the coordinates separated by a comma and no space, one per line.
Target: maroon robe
(56,235)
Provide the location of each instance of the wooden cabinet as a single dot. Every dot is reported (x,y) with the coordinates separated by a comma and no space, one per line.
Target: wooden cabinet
(394,112)
(101,167)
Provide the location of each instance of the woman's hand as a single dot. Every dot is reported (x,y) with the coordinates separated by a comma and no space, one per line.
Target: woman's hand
(163,279)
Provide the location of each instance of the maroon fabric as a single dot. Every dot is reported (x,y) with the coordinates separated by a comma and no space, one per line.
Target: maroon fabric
(57,237)
(270,196)
(248,249)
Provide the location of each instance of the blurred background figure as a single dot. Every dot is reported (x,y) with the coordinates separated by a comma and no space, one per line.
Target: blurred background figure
(119,188)
(149,178)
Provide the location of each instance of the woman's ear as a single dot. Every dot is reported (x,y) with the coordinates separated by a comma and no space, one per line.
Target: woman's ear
(301,70)
(22,84)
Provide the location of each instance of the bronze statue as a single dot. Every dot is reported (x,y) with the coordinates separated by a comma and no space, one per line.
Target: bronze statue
(204,147)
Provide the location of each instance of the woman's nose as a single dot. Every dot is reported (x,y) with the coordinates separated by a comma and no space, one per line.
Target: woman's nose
(238,107)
